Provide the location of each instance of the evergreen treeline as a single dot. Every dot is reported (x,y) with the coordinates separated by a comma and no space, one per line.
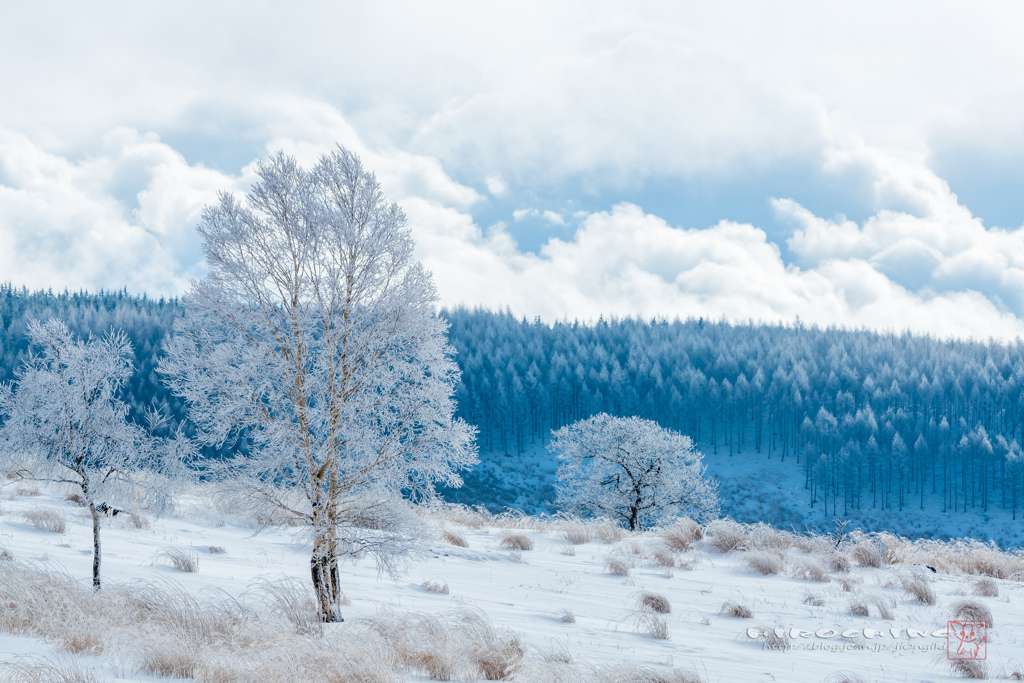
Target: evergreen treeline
(874,420)
(146,322)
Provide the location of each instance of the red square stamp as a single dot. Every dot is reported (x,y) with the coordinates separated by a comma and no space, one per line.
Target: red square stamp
(966,640)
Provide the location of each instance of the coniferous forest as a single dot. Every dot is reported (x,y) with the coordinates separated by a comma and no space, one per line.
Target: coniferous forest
(875,421)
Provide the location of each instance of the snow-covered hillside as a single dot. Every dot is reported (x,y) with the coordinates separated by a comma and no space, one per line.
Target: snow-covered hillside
(752,488)
(573,601)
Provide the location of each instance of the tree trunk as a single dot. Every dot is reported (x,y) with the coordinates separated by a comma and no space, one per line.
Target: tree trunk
(324,569)
(634,517)
(95,545)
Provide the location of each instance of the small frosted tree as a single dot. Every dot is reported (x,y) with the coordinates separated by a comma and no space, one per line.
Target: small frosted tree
(631,469)
(314,339)
(64,423)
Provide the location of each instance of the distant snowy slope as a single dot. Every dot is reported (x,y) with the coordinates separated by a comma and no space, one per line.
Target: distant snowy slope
(532,591)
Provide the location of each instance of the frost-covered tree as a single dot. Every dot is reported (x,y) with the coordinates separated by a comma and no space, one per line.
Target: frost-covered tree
(65,424)
(631,469)
(313,338)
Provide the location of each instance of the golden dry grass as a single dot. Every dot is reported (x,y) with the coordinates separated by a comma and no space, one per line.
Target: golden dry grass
(681,534)
(436,587)
(918,588)
(971,610)
(985,587)
(515,541)
(725,535)
(810,570)
(454,538)
(736,610)
(765,561)
(654,602)
(617,566)
(49,519)
(181,559)
(651,623)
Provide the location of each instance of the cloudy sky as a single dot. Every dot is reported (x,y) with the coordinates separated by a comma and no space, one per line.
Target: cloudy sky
(852,163)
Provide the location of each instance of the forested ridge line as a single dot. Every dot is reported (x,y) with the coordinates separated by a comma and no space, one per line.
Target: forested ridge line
(874,420)
(147,322)
(879,420)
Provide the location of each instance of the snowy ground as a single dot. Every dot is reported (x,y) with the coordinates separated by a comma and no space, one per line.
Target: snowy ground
(528,591)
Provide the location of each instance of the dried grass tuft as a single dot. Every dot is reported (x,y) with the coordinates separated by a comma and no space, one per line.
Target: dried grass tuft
(1015,673)
(216,550)
(968,668)
(47,519)
(630,546)
(616,566)
(182,560)
(985,587)
(79,641)
(609,532)
(885,607)
(813,599)
(76,499)
(725,535)
(838,562)
(172,656)
(844,677)
(134,521)
(918,588)
(463,515)
(860,607)
(291,600)
(457,645)
(663,557)
(767,537)
(814,544)
(681,535)
(515,541)
(435,587)
(866,554)
(810,570)
(576,532)
(688,562)
(634,673)
(654,602)
(454,538)
(961,556)
(971,610)
(765,561)
(734,609)
(34,669)
(567,616)
(160,629)
(651,623)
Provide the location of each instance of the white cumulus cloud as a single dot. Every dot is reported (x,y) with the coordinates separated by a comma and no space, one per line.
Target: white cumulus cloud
(932,245)
(122,218)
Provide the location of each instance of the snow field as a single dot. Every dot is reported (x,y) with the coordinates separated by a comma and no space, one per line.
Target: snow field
(578,601)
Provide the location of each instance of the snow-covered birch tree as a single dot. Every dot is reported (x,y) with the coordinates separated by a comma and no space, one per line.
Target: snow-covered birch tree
(313,338)
(65,424)
(631,469)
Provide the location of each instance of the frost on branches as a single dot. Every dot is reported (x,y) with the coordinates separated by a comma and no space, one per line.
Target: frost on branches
(631,469)
(65,424)
(314,339)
